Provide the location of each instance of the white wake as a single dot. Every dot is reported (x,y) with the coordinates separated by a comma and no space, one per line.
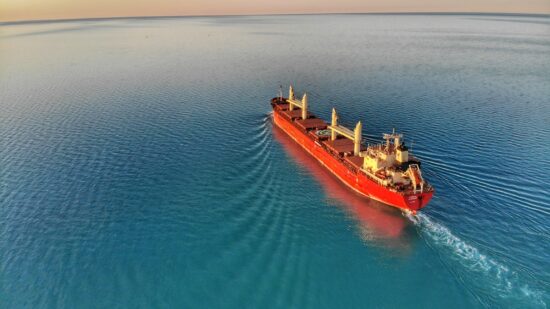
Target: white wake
(497,281)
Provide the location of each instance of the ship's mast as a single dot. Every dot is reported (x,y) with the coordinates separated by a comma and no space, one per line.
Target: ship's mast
(292,102)
(387,137)
(355,135)
(396,137)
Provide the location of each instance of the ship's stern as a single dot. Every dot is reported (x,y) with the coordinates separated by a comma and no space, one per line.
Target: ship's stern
(415,202)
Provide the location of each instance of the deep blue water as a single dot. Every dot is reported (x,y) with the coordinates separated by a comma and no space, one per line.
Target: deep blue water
(139,166)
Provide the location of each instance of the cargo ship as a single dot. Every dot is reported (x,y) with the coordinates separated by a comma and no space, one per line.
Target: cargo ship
(385,172)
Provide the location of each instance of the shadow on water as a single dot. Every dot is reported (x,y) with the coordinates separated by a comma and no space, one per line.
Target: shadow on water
(378,224)
(543,20)
(266,33)
(77,25)
(61,30)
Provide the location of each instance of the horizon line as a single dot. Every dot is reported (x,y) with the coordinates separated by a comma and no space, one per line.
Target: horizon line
(53,20)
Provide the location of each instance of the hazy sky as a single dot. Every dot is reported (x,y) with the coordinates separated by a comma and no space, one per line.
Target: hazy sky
(11,10)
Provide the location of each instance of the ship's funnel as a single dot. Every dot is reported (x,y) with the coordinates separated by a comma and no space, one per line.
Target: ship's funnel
(357,139)
(334,123)
(304,106)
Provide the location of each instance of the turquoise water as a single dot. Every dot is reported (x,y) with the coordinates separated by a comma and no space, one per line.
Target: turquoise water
(139,166)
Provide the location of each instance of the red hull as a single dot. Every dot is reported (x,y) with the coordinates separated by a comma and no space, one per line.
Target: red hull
(357,181)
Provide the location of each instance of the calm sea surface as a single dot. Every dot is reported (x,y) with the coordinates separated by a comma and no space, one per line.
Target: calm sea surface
(139,166)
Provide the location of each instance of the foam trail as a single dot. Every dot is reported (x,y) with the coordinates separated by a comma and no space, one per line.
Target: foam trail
(498,280)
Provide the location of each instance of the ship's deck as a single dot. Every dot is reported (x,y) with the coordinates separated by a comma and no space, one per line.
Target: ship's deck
(295,114)
(356,161)
(340,146)
(311,123)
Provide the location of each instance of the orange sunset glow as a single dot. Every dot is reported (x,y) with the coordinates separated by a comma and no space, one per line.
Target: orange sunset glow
(13,10)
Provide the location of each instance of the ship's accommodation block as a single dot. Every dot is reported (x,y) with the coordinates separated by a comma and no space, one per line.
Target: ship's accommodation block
(401,155)
(401,152)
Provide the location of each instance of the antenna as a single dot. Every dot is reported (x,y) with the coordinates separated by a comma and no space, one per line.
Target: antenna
(280,92)
(411,150)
